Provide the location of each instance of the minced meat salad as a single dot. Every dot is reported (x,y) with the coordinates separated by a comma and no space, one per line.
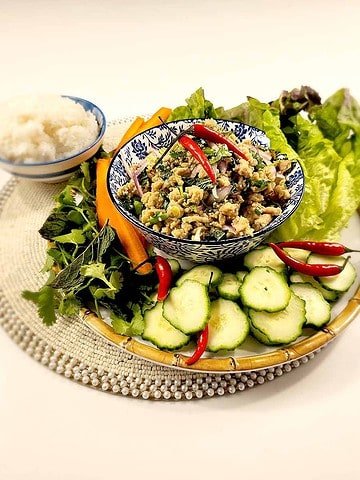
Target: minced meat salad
(176,196)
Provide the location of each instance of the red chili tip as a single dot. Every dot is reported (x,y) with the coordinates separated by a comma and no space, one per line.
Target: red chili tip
(200,347)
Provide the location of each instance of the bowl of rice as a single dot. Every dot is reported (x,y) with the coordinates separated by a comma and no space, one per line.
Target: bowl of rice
(46,137)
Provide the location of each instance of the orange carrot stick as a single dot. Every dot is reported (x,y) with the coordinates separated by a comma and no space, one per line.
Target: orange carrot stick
(131,240)
(106,211)
(154,121)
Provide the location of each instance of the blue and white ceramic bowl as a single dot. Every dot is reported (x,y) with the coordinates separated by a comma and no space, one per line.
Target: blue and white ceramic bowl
(60,170)
(197,251)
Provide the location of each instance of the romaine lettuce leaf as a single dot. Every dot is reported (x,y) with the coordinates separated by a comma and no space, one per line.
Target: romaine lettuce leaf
(266,118)
(345,199)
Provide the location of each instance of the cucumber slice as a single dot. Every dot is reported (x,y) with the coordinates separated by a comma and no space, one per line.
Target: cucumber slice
(338,283)
(187,307)
(298,254)
(296,277)
(202,274)
(160,332)
(264,257)
(265,289)
(317,309)
(260,336)
(228,325)
(229,287)
(240,275)
(280,327)
(175,266)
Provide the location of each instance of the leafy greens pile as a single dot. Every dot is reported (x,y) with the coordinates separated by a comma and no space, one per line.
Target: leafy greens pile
(324,138)
(86,265)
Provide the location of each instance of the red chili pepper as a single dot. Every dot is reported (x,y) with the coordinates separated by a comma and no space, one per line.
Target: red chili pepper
(164,273)
(322,248)
(191,146)
(200,131)
(201,345)
(314,270)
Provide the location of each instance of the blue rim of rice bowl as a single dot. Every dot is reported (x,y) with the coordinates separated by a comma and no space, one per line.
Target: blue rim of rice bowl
(59,173)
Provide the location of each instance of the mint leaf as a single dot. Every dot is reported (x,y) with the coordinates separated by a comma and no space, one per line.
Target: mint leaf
(54,225)
(70,277)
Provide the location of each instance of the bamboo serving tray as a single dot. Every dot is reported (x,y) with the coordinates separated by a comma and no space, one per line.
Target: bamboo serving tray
(237,362)
(230,363)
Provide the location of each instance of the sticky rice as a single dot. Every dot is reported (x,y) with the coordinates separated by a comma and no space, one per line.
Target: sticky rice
(44,128)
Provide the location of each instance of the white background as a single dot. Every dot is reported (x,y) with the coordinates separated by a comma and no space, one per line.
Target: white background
(130,58)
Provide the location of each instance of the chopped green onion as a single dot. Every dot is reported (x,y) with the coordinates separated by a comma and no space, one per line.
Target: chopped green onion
(159,217)
(138,206)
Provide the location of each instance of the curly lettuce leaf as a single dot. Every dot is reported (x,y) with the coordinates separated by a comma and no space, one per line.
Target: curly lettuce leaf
(345,200)
(265,117)
(197,107)
(338,118)
(339,121)
(328,150)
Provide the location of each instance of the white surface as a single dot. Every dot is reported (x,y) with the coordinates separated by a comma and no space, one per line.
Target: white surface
(303,425)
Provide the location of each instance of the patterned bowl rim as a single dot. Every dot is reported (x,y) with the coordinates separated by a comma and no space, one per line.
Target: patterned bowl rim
(269,228)
(102,127)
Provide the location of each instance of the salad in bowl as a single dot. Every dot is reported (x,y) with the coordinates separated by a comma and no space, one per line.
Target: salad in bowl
(204,190)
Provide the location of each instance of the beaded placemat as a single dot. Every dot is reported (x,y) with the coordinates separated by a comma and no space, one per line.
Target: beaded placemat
(69,347)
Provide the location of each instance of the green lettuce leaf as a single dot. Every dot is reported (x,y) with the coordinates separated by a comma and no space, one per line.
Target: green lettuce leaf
(338,118)
(345,199)
(339,121)
(265,117)
(328,150)
(197,107)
